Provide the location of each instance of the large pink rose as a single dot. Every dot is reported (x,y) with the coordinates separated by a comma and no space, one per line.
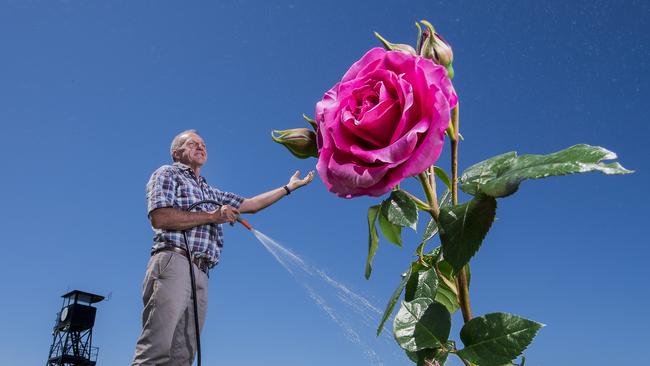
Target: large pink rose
(383,122)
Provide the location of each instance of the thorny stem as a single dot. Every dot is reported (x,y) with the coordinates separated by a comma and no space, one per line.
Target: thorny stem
(461,278)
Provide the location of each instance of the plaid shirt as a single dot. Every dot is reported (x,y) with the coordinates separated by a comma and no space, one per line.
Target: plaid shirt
(176,186)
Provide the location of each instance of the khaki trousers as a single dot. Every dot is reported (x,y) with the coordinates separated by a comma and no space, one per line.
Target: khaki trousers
(168,337)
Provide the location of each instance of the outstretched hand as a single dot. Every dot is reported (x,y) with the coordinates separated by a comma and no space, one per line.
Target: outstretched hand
(296,182)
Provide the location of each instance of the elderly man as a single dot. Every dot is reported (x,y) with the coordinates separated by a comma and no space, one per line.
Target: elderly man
(168,335)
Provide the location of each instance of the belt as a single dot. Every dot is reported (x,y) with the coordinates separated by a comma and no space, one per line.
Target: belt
(201,262)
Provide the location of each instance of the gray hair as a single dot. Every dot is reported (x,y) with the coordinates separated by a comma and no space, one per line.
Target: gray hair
(179,140)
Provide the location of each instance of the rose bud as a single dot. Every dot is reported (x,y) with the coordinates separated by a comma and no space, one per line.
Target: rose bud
(301,142)
(396,46)
(435,47)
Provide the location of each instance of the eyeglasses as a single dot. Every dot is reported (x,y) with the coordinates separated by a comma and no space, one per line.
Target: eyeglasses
(194,144)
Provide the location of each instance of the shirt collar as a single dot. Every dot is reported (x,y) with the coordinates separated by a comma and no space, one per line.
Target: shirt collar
(187,169)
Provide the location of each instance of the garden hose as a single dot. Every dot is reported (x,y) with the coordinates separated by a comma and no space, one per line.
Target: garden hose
(192,279)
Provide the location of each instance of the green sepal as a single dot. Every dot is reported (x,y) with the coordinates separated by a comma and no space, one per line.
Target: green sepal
(396,46)
(311,122)
(418,44)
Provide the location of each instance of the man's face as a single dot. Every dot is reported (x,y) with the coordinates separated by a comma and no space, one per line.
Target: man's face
(193,152)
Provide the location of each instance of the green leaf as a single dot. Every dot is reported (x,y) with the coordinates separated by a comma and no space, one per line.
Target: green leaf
(373,238)
(463,227)
(496,339)
(447,293)
(440,173)
(392,232)
(423,283)
(396,294)
(421,323)
(445,199)
(432,228)
(447,298)
(400,209)
(501,175)
(481,173)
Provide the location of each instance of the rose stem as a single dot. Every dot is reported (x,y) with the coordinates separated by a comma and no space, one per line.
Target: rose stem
(461,279)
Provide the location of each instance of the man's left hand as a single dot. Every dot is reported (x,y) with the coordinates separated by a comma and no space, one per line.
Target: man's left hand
(295,182)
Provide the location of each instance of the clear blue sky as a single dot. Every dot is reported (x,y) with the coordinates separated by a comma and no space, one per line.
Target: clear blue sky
(91,93)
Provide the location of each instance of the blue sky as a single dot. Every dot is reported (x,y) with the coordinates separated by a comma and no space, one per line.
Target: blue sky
(91,93)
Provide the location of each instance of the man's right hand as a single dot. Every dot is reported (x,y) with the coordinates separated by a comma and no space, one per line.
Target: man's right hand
(224,214)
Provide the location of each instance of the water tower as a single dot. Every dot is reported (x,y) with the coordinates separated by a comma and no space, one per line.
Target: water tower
(73,331)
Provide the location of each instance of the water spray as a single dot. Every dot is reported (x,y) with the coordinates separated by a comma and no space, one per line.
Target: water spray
(303,272)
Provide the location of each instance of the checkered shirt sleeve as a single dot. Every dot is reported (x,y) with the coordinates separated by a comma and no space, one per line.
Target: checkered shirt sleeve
(161,189)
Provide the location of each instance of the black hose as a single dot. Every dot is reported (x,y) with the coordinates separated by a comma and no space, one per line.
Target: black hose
(193,281)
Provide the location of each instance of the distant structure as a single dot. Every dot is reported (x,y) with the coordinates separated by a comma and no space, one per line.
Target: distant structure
(73,331)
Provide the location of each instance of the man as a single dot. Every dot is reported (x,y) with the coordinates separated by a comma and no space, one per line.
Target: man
(168,335)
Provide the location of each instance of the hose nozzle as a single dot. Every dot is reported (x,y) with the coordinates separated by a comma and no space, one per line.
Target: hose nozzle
(243,222)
